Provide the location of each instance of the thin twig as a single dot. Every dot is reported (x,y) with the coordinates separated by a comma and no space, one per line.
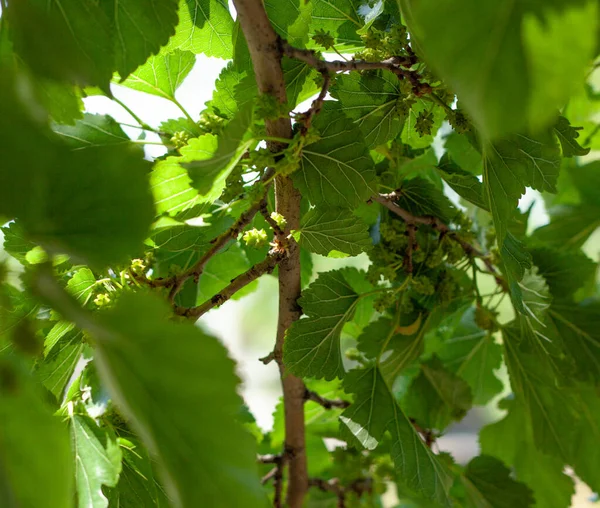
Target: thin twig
(389,201)
(359,487)
(265,266)
(316,105)
(326,403)
(274,226)
(275,474)
(218,243)
(399,65)
(429,436)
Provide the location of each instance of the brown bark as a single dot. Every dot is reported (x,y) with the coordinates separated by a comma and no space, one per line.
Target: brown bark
(265,52)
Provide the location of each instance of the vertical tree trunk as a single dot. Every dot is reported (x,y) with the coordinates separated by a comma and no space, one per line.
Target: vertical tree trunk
(266,58)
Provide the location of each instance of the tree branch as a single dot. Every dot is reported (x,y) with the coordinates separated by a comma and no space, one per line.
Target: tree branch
(399,65)
(389,201)
(266,53)
(265,266)
(326,403)
(359,487)
(177,282)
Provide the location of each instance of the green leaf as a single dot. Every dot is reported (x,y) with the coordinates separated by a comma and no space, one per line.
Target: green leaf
(577,328)
(400,345)
(501,70)
(437,396)
(549,409)
(300,81)
(60,359)
(339,17)
(488,483)
(16,242)
(587,178)
(93,131)
(567,135)
(465,184)
(565,272)
(162,74)
(511,441)
(370,100)
(221,270)
(183,245)
(81,285)
(170,182)
(472,354)
(137,485)
(139,29)
(512,164)
(420,197)
(373,412)
(290,19)
(569,227)
(322,231)
(97,460)
(460,149)
(516,263)
(163,386)
(35,446)
(68,201)
(410,135)
(337,169)
(64,41)
(209,175)
(205,26)
(312,345)
(84,42)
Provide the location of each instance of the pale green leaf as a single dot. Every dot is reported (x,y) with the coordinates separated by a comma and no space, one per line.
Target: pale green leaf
(209,175)
(162,74)
(205,26)
(170,182)
(81,285)
(93,131)
(97,460)
(370,100)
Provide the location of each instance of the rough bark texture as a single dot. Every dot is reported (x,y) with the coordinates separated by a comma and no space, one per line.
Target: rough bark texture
(266,57)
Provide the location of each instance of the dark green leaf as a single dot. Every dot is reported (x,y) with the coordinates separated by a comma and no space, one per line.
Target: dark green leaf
(163,387)
(465,184)
(323,231)
(499,70)
(337,169)
(512,164)
(59,362)
(373,412)
(437,396)
(35,448)
(472,354)
(488,483)
(511,441)
(312,345)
